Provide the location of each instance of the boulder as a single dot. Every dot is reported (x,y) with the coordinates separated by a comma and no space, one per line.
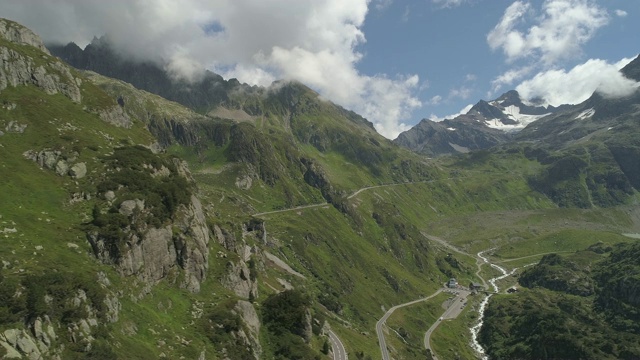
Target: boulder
(62,167)
(26,345)
(15,127)
(11,336)
(110,196)
(78,171)
(48,158)
(128,207)
(11,352)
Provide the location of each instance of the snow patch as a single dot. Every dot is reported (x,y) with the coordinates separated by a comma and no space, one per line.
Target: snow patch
(586,114)
(451,129)
(513,113)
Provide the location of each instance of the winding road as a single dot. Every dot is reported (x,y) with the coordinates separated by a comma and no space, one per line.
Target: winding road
(292,209)
(381,322)
(354,194)
(456,306)
(339,352)
(452,312)
(479,261)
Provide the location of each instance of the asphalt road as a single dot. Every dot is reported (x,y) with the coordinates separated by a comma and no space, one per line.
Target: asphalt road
(339,353)
(381,322)
(452,312)
(291,209)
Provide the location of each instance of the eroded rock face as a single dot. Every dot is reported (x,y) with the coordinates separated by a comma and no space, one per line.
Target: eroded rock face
(191,243)
(250,318)
(18,34)
(226,239)
(151,253)
(238,279)
(52,78)
(150,258)
(48,73)
(115,115)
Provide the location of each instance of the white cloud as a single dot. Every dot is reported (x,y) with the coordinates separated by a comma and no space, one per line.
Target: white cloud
(509,78)
(558,33)
(464,110)
(256,41)
(449,3)
(594,75)
(462,92)
(436,100)
(621,13)
(382,4)
(405,14)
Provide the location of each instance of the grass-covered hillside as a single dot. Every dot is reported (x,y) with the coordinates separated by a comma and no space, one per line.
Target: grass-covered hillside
(583,305)
(142,255)
(250,225)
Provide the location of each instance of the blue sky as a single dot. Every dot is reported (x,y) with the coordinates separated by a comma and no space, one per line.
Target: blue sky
(393,61)
(447,47)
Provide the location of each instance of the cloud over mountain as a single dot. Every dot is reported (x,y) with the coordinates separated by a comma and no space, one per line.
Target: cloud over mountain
(594,75)
(256,41)
(537,43)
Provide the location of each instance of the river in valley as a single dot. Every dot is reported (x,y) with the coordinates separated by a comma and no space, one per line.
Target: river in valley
(483,305)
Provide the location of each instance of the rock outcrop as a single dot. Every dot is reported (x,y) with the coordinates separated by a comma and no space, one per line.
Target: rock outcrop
(115,115)
(47,72)
(250,317)
(19,34)
(191,243)
(238,279)
(52,77)
(55,160)
(153,253)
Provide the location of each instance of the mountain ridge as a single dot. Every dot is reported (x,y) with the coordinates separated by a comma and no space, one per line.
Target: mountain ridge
(314,221)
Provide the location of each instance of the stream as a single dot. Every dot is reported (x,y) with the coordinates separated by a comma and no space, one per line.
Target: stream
(483,305)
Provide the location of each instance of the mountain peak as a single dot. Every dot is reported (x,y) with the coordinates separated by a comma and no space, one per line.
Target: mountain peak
(18,34)
(632,70)
(511,97)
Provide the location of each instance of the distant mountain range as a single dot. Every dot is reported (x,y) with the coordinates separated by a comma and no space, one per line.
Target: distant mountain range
(486,124)
(209,92)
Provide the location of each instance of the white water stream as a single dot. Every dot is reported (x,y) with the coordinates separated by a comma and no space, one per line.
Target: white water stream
(476,328)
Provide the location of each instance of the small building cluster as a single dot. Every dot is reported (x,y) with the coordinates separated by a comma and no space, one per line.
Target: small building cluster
(452,283)
(475,286)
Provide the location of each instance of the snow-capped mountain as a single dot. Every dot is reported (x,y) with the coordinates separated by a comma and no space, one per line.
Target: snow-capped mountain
(486,124)
(509,112)
(599,118)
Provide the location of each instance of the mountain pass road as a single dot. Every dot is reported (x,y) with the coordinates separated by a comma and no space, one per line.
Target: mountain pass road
(381,322)
(452,312)
(339,353)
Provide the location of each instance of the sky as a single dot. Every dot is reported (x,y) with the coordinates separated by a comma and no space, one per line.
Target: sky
(393,61)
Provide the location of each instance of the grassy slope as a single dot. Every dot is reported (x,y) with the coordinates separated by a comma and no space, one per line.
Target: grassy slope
(566,304)
(35,202)
(360,261)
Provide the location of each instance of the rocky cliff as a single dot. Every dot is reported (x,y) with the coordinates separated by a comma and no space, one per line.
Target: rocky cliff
(149,223)
(44,71)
